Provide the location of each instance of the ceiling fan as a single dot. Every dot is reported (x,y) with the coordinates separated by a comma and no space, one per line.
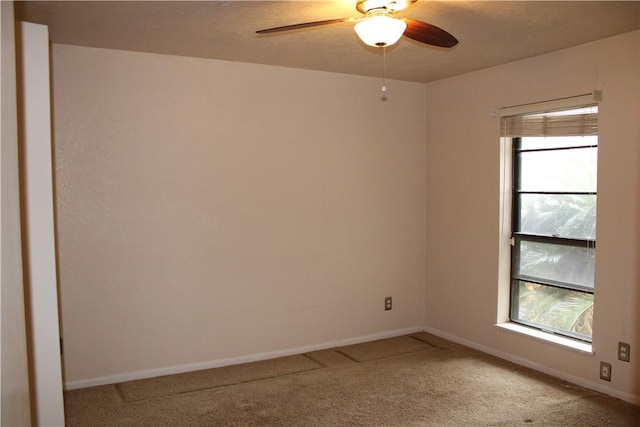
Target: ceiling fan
(379,28)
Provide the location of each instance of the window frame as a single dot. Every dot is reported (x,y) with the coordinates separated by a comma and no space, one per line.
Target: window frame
(518,236)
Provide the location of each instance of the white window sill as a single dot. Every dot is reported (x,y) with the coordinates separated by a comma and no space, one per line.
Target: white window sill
(582,347)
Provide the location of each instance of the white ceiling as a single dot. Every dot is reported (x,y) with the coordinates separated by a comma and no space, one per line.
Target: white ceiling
(490,32)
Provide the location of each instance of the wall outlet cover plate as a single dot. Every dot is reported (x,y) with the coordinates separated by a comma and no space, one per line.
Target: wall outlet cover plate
(605,371)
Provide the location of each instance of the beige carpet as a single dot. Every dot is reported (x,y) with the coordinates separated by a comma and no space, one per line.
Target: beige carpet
(416,380)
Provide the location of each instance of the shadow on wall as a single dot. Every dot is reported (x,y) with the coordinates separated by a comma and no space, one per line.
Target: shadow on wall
(636,357)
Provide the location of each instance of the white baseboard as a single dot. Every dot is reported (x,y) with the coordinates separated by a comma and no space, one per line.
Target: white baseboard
(627,397)
(150,373)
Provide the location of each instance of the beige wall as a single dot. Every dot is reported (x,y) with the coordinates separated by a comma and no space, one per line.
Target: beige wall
(463,204)
(15,409)
(209,210)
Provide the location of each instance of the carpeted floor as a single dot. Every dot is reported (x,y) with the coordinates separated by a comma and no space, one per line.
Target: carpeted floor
(413,380)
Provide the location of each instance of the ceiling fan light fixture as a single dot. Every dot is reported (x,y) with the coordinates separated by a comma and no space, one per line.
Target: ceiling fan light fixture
(380,29)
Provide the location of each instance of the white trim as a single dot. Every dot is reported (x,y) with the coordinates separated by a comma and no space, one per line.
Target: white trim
(150,373)
(582,347)
(627,397)
(38,224)
(554,104)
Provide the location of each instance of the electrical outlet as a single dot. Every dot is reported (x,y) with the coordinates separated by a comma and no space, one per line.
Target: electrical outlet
(624,352)
(387,303)
(605,371)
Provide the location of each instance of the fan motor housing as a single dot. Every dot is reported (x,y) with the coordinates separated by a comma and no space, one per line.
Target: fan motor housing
(363,6)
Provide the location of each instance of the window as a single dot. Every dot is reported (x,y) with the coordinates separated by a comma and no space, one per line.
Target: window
(553,239)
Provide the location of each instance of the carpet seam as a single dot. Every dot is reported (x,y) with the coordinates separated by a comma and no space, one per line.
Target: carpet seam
(320,364)
(115,387)
(347,356)
(218,386)
(323,365)
(387,357)
(424,341)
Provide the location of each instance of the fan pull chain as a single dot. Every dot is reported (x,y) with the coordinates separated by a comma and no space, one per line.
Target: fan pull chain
(384,69)
(384,74)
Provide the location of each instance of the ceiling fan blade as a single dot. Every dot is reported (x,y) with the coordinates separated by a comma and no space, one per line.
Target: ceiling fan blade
(429,34)
(303,25)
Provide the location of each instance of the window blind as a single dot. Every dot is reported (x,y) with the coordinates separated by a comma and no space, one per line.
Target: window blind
(577,116)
